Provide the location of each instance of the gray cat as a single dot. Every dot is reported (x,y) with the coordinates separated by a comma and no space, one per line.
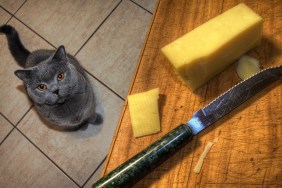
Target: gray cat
(55,82)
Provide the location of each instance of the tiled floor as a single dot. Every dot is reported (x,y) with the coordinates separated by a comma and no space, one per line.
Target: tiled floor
(106,37)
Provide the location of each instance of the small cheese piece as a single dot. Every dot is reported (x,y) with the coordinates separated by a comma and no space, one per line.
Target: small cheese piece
(247,67)
(144,112)
(208,49)
(200,162)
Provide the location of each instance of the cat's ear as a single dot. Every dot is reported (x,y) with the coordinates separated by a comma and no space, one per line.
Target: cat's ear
(60,54)
(24,75)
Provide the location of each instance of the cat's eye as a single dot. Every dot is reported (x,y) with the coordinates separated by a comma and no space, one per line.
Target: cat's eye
(42,87)
(61,76)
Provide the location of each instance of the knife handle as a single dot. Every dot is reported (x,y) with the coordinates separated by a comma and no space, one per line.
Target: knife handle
(142,163)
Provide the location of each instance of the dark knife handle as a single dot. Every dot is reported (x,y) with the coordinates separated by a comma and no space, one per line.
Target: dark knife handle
(141,164)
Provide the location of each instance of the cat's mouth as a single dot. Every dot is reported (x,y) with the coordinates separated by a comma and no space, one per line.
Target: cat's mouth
(61,100)
(56,102)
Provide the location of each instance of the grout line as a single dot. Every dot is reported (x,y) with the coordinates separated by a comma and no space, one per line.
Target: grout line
(14,126)
(6,118)
(34,32)
(9,13)
(142,51)
(141,7)
(12,14)
(6,10)
(20,7)
(118,95)
(97,28)
(10,130)
(94,171)
(24,115)
(48,157)
(122,98)
(7,136)
(10,19)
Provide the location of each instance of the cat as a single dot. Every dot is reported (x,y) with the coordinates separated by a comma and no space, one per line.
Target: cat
(56,83)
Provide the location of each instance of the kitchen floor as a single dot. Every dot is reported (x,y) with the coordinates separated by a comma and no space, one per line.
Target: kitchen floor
(107,38)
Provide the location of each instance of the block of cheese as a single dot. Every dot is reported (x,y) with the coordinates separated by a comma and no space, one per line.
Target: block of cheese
(208,49)
(144,112)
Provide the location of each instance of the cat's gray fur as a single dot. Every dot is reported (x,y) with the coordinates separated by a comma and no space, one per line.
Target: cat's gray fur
(66,103)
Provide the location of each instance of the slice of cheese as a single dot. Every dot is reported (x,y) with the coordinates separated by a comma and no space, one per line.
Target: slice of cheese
(208,49)
(247,67)
(144,112)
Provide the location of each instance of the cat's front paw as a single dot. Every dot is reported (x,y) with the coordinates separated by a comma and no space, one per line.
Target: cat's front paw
(96,120)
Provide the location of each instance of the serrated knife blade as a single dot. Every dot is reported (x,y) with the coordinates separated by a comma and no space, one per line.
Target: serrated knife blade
(142,163)
(232,98)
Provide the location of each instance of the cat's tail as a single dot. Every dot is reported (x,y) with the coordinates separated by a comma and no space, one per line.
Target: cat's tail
(18,51)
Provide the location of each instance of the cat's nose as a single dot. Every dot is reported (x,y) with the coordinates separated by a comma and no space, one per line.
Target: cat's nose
(56,91)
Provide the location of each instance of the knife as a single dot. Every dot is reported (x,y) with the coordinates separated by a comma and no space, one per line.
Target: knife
(142,163)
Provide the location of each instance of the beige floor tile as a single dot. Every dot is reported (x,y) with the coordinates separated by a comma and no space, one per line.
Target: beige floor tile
(67,22)
(149,5)
(13,99)
(5,128)
(22,165)
(95,177)
(4,16)
(112,53)
(11,5)
(77,153)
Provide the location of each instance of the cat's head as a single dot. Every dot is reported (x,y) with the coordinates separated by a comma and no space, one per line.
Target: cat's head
(51,81)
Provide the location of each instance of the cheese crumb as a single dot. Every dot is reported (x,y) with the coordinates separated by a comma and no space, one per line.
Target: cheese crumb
(200,162)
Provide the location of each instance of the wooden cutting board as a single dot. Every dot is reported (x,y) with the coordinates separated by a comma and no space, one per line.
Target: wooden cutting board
(248,152)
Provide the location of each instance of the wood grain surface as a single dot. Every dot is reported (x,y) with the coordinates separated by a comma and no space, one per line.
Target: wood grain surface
(248,152)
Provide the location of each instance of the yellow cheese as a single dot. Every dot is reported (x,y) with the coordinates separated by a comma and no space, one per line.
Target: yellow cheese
(144,112)
(208,49)
(247,67)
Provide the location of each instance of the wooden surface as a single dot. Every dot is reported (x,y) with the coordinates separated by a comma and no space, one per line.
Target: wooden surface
(248,152)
